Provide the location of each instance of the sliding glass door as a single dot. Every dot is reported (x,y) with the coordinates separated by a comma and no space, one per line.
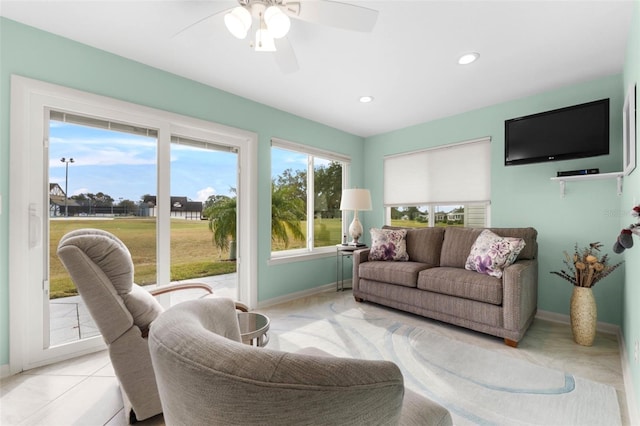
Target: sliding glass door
(100,174)
(203,205)
(84,161)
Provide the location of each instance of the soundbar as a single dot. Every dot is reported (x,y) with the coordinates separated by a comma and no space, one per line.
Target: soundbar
(579,172)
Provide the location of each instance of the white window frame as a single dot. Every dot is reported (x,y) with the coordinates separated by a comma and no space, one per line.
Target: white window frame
(310,252)
(30,103)
(431,211)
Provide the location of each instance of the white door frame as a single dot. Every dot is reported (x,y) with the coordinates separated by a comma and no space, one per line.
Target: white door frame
(28,208)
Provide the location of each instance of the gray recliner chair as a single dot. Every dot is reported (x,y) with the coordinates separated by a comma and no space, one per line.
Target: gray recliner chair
(100,266)
(207,376)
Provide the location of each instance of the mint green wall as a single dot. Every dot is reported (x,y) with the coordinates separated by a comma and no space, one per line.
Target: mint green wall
(631,297)
(521,195)
(35,54)
(524,195)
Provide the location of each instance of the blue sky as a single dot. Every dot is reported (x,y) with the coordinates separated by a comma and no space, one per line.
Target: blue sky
(123,165)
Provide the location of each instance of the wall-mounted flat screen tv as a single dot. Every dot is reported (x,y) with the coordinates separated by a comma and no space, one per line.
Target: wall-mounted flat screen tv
(574,132)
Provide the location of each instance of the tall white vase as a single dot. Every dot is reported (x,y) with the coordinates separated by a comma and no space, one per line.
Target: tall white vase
(584,315)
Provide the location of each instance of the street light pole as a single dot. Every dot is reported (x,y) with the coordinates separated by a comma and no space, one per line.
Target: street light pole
(66,182)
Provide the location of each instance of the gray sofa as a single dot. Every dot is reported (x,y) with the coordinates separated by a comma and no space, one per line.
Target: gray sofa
(435,284)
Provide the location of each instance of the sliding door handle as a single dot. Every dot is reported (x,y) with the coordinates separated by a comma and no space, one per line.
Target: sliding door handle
(35,226)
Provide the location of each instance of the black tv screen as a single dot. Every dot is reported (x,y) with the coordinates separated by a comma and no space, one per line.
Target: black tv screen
(574,132)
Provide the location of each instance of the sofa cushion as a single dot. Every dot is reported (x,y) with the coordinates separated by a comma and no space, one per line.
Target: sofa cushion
(461,283)
(457,245)
(388,244)
(491,253)
(399,273)
(529,235)
(458,242)
(423,244)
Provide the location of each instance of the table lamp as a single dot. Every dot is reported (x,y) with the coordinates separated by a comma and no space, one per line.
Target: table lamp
(355,199)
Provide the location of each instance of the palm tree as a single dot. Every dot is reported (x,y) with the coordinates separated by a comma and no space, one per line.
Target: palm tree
(222,221)
(286,211)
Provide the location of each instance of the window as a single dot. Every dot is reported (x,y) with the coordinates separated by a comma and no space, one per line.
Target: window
(467,215)
(137,141)
(444,186)
(305,198)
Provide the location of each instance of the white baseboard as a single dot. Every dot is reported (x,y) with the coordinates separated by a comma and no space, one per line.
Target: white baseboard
(604,327)
(629,390)
(4,371)
(300,294)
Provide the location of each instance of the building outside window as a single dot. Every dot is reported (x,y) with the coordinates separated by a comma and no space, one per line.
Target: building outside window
(467,215)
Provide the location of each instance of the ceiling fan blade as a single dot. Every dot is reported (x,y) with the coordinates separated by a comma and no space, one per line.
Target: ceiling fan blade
(334,14)
(199,21)
(285,56)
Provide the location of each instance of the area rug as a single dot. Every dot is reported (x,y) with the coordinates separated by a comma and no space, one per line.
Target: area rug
(478,386)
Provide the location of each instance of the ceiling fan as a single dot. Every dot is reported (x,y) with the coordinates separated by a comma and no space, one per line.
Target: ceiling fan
(271,22)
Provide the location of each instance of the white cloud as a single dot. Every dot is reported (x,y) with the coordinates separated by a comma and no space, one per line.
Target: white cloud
(120,151)
(204,194)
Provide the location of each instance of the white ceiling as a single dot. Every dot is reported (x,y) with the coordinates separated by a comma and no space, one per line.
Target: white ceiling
(408,62)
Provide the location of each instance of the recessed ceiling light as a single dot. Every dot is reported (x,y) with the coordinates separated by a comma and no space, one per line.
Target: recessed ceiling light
(468,58)
(366,99)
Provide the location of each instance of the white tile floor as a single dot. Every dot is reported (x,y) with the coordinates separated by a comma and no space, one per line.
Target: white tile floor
(84,391)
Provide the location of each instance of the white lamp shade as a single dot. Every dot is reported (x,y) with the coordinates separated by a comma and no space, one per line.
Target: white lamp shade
(238,22)
(278,23)
(355,199)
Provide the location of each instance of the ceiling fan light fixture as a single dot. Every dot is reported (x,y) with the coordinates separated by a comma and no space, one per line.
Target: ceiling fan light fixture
(264,41)
(278,23)
(238,22)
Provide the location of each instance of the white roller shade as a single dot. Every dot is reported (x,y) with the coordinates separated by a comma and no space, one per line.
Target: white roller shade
(405,179)
(179,140)
(459,173)
(102,124)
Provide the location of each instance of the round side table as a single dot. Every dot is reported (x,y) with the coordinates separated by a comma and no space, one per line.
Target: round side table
(253,328)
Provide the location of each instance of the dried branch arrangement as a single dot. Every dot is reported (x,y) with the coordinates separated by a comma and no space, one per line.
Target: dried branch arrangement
(584,268)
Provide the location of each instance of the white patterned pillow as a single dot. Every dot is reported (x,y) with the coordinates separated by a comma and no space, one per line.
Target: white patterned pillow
(492,253)
(388,244)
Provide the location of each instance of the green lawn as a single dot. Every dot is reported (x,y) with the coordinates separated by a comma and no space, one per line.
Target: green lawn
(193,254)
(328,232)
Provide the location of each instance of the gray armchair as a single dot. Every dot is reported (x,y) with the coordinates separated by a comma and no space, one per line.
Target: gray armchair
(207,376)
(100,266)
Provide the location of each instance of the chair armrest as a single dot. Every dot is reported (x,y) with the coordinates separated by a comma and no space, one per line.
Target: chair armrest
(190,286)
(175,287)
(241,307)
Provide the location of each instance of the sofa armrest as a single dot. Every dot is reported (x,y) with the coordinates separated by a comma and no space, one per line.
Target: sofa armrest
(359,256)
(520,297)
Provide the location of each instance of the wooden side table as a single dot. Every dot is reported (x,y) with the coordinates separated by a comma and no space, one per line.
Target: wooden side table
(254,328)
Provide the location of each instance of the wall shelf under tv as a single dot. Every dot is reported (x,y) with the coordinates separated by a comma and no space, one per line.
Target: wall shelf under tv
(615,175)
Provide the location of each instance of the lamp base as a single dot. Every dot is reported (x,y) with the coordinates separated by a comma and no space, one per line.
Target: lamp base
(355,230)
